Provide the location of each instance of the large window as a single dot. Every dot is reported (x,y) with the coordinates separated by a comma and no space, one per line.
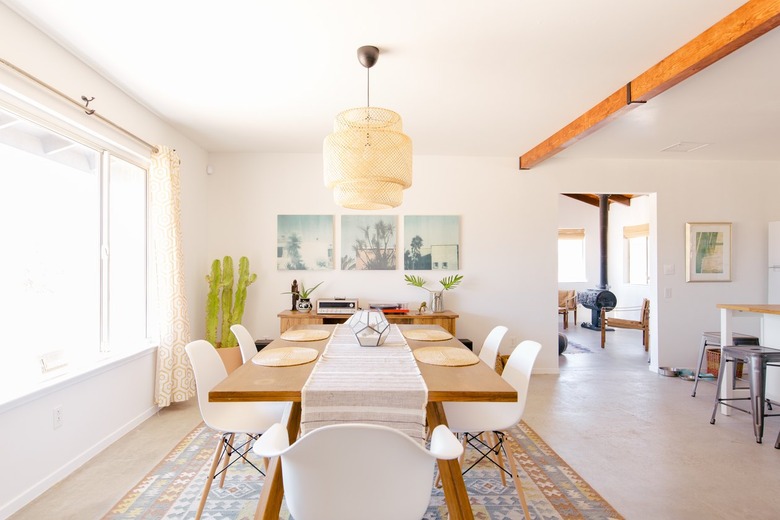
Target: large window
(74,232)
(571,255)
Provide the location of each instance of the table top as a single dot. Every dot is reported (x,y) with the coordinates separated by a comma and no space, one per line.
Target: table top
(252,382)
(761,308)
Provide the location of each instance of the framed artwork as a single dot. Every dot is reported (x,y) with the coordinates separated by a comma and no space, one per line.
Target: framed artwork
(368,242)
(432,242)
(304,242)
(708,251)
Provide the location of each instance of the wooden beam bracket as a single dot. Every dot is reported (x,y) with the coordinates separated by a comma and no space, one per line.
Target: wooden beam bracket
(629,100)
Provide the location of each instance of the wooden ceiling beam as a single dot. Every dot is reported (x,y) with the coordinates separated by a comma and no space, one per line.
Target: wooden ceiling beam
(748,22)
(593,199)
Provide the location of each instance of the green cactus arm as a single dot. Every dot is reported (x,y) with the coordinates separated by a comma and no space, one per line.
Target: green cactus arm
(212,301)
(244,280)
(227,302)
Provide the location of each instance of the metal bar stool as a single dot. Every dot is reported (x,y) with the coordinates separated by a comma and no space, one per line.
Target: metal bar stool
(756,358)
(712,339)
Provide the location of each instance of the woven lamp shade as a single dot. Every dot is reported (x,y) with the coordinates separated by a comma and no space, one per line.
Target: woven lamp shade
(368,159)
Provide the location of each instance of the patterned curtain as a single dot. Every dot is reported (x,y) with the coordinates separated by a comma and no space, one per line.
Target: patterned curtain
(175,380)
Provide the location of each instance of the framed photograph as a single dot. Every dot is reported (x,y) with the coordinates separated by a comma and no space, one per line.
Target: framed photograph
(708,251)
(432,242)
(304,242)
(368,242)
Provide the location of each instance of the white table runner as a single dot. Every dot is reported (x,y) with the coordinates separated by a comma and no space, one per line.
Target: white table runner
(373,385)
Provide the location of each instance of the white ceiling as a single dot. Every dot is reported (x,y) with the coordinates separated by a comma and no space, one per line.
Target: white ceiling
(490,78)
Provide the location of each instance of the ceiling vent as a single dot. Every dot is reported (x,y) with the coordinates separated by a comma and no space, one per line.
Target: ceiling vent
(685,146)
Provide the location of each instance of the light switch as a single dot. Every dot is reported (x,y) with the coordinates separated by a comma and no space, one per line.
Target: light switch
(668,269)
(668,292)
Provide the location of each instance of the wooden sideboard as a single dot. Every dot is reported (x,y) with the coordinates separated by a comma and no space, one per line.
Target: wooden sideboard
(445,319)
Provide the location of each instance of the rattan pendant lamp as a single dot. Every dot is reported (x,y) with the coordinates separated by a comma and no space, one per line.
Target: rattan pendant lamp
(367,159)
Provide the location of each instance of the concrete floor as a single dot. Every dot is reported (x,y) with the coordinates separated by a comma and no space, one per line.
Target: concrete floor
(638,438)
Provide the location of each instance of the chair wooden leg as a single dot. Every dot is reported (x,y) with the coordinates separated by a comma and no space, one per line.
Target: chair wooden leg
(210,478)
(228,454)
(513,468)
(499,457)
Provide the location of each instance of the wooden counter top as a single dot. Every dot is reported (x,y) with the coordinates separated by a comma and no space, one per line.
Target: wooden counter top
(760,308)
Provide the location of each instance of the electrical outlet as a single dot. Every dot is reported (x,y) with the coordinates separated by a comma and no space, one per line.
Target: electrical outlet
(512,341)
(57,417)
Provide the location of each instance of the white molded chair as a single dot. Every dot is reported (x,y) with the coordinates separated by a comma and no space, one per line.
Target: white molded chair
(228,418)
(245,341)
(489,351)
(357,471)
(473,419)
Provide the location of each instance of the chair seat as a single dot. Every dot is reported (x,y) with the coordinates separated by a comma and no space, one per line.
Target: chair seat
(625,324)
(643,323)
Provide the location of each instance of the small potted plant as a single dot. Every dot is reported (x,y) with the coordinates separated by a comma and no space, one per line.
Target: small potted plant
(303,303)
(447,283)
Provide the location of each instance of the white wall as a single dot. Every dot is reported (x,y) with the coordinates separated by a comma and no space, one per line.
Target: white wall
(499,249)
(509,222)
(100,407)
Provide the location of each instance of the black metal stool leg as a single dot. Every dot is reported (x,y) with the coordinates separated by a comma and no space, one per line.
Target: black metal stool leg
(702,350)
(721,371)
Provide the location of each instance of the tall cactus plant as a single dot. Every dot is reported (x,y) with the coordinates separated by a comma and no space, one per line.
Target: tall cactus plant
(221,298)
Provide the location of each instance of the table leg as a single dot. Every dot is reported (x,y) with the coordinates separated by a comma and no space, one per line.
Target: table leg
(270,502)
(455,493)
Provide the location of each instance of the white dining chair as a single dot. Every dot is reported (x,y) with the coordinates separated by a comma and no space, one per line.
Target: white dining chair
(473,419)
(357,471)
(229,419)
(245,341)
(489,351)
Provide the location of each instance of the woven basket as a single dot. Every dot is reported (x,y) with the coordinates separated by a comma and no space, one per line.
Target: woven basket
(713,363)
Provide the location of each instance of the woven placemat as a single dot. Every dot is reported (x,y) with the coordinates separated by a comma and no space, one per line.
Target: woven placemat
(427,334)
(305,334)
(285,356)
(445,356)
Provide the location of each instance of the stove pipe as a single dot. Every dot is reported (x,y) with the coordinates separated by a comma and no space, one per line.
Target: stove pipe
(603,227)
(596,299)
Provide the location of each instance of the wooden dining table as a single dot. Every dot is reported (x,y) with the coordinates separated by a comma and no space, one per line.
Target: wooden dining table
(252,382)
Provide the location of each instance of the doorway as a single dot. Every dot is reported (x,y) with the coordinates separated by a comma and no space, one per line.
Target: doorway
(627,265)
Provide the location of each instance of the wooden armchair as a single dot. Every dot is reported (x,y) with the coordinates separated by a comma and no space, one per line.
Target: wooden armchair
(567,302)
(643,323)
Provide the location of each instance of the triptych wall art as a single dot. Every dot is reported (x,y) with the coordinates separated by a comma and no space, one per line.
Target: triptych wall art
(368,242)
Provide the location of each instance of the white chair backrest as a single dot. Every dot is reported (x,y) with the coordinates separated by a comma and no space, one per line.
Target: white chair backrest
(245,341)
(489,350)
(209,370)
(355,471)
(517,371)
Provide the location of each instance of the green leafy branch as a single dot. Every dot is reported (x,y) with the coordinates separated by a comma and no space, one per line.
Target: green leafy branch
(447,283)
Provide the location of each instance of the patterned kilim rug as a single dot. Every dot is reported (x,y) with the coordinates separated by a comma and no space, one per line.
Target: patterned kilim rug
(554,491)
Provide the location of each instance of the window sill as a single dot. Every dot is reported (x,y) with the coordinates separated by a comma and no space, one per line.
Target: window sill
(12,397)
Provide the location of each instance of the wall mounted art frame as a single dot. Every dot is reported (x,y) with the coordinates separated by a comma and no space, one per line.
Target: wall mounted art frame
(369,242)
(432,243)
(708,251)
(304,242)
